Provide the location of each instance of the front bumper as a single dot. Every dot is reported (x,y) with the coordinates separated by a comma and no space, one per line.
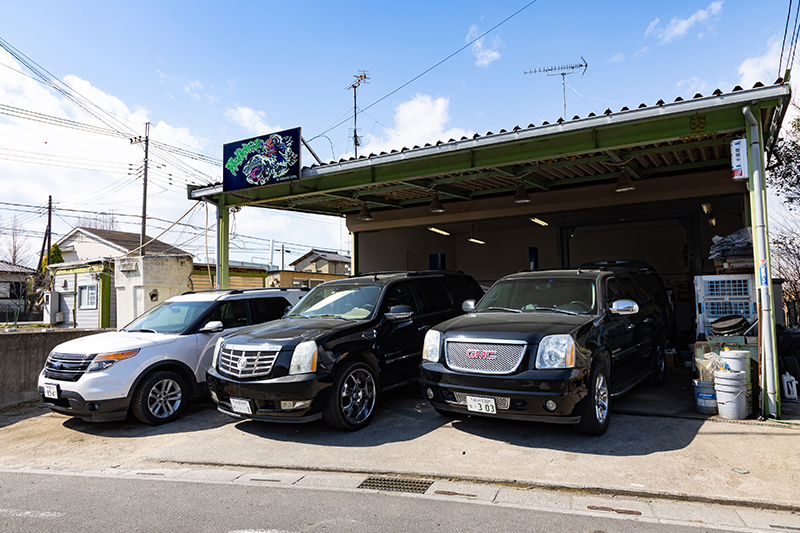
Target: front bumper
(518,397)
(265,395)
(73,404)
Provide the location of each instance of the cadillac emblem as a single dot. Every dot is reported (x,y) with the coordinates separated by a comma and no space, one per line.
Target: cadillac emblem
(241,363)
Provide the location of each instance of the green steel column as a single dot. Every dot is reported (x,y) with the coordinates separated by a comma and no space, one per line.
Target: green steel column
(223,241)
(104,296)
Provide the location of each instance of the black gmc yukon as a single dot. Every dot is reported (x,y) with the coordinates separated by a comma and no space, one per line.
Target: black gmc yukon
(551,346)
(334,352)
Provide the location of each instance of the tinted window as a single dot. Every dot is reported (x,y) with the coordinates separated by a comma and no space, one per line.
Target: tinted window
(437,297)
(232,314)
(266,309)
(612,291)
(400,294)
(627,288)
(466,288)
(532,295)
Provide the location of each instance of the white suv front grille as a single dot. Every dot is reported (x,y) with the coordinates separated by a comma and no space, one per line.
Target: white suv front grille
(247,362)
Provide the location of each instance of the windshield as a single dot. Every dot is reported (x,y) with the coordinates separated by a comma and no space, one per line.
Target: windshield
(169,317)
(527,295)
(352,302)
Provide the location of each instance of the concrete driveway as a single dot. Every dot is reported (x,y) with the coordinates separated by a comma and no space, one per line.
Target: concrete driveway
(742,463)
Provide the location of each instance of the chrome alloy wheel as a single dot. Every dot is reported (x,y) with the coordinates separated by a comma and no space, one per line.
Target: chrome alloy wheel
(601,398)
(357,396)
(164,398)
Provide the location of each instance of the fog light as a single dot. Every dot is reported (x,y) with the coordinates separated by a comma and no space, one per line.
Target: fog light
(288,406)
(91,406)
(214,396)
(429,393)
(550,405)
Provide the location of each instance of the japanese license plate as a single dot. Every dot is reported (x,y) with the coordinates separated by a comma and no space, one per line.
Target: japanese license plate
(51,391)
(481,405)
(241,406)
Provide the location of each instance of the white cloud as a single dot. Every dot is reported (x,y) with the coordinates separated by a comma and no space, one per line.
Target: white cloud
(418,121)
(250,120)
(641,52)
(679,27)
(484,55)
(694,85)
(763,68)
(617,58)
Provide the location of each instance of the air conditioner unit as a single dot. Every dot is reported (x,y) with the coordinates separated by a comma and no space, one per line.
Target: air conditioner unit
(51,303)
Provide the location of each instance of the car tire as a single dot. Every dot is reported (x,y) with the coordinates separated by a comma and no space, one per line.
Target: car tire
(596,410)
(159,398)
(658,365)
(354,397)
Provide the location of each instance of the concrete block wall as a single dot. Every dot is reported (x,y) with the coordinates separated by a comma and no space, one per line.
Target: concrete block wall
(22,357)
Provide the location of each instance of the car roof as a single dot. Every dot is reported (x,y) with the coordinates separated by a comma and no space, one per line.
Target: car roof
(224,294)
(387,277)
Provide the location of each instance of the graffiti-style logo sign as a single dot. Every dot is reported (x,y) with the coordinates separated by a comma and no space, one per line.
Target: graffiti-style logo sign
(259,161)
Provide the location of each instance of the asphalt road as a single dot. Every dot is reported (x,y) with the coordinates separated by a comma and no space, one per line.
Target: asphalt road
(44,502)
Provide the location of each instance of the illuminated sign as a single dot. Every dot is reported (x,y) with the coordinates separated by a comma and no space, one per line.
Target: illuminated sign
(260,161)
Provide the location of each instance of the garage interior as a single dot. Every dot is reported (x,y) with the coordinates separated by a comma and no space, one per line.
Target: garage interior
(652,183)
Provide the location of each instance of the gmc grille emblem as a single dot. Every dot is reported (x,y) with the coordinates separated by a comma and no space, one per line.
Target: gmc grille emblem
(481,354)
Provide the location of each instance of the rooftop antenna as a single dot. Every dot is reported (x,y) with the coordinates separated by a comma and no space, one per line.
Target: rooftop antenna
(562,70)
(361,77)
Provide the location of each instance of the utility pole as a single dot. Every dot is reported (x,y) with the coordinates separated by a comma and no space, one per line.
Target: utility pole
(146,141)
(361,77)
(46,240)
(562,70)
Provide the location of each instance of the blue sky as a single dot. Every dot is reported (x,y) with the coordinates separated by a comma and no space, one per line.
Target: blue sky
(205,74)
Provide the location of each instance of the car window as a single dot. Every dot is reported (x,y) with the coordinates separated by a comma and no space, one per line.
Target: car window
(466,287)
(400,294)
(266,309)
(627,288)
(169,317)
(232,314)
(437,297)
(541,295)
(612,290)
(354,302)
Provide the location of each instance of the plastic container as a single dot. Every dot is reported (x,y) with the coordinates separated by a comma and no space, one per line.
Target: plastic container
(705,397)
(737,360)
(789,387)
(731,389)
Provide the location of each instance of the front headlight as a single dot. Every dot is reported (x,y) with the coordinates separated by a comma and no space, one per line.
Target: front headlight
(432,346)
(556,351)
(106,360)
(304,358)
(215,357)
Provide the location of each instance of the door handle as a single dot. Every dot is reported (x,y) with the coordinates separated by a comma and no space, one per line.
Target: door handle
(423,328)
(631,326)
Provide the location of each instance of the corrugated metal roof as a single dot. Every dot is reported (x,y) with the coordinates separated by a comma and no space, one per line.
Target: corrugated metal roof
(10,268)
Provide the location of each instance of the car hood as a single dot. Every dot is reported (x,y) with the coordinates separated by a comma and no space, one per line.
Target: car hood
(114,341)
(287,332)
(530,327)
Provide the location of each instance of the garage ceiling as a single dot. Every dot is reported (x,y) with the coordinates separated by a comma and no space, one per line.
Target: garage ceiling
(647,142)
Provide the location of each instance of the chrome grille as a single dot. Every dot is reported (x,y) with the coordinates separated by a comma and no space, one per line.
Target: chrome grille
(67,366)
(247,361)
(484,357)
(499,401)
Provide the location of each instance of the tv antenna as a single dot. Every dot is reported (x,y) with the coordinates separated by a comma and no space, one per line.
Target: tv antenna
(562,70)
(361,77)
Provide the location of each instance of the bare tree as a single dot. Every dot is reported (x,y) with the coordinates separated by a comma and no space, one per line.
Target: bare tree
(14,246)
(105,221)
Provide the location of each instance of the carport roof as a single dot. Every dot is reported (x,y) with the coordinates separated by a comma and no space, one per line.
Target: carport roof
(664,139)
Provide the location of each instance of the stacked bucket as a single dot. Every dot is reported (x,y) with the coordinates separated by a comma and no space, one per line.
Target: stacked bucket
(727,389)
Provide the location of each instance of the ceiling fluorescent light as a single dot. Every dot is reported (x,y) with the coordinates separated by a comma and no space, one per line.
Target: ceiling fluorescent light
(539,221)
(437,230)
(476,241)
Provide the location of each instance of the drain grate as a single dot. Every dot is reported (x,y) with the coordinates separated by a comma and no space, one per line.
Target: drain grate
(396,484)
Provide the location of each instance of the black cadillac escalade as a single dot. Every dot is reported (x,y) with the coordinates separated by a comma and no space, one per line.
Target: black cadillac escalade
(334,352)
(551,346)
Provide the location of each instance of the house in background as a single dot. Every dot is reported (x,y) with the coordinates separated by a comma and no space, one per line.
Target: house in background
(83,288)
(13,290)
(244,275)
(317,262)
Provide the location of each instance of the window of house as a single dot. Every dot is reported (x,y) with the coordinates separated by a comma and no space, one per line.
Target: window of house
(87,297)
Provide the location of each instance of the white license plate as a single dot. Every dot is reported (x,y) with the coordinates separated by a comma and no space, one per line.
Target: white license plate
(481,405)
(241,406)
(51,391)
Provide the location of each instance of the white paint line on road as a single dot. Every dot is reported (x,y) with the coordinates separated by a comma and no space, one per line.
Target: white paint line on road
(19,513)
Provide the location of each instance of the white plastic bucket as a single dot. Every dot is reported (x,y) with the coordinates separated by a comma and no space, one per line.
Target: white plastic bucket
(731,389)
(737,360)
(705,397)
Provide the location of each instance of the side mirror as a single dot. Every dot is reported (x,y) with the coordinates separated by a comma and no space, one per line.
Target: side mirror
(468,306)
(399,311)
(212,327)
(624,307)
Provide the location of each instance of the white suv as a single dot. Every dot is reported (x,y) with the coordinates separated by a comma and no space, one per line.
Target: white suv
(158,362)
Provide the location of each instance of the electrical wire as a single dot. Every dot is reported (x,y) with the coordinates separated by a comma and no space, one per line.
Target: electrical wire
(415,78)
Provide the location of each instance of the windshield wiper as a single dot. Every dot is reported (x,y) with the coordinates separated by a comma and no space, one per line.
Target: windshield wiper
(330,316)
(555,310)
(144,330)
(503,309)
